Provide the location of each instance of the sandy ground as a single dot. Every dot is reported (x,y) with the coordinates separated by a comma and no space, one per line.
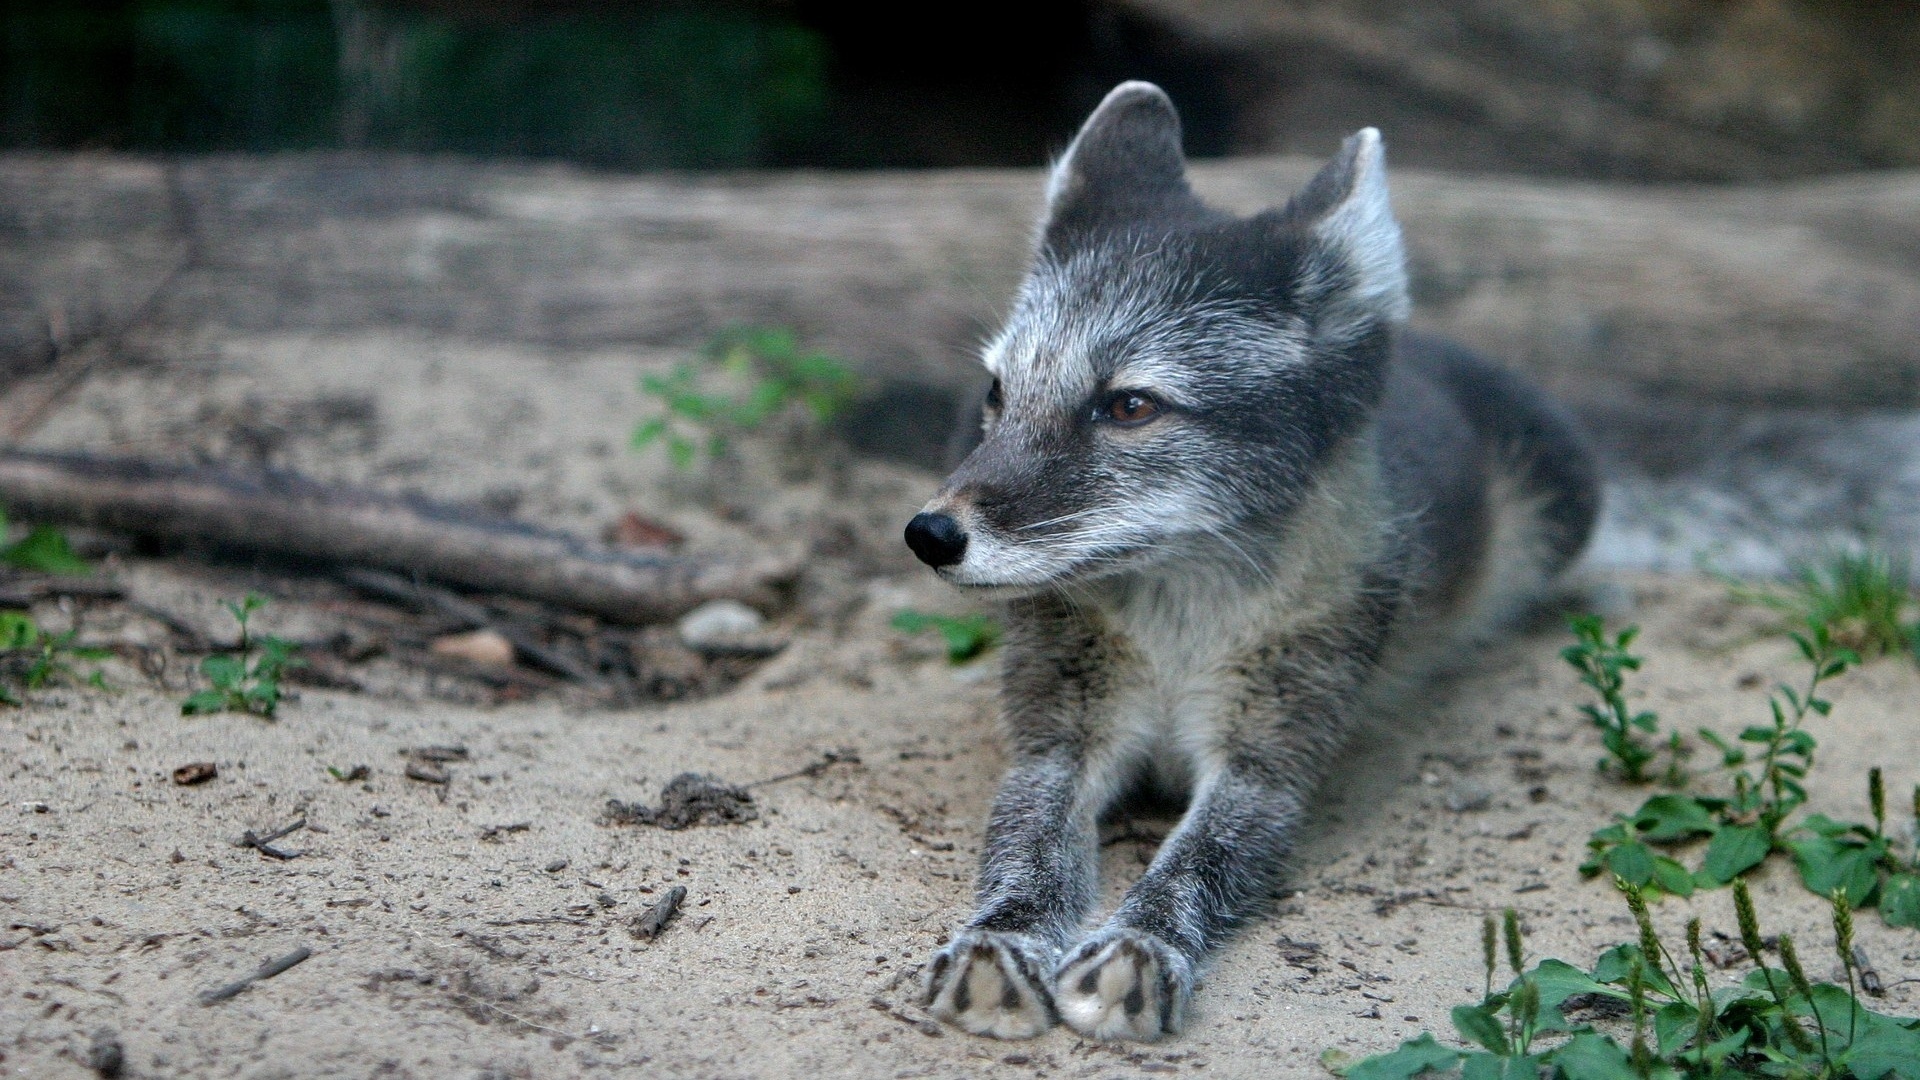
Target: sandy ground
(445,945)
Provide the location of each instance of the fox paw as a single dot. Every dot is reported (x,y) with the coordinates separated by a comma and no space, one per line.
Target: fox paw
(1124,984)
(993,983)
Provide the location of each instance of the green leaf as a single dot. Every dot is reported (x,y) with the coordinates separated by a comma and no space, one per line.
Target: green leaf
(1557,981)
(1730,755)
(262,698)
(1523,1068)
(1479,1065)
(1673,1025)
(1414,1057)
(1900,900)
(1672,877)
(681,451)
(1886,1048)
(1478,1024)
(18,631)
(1727,1047)
(966,636)
(1833,829)
(649,431)
(1616,966)
(45,549)
(226,672)
(1673,817)
(1827,863)
(909,621)
(1592,1056)
(1736,849)
(1632,861)
(206,701)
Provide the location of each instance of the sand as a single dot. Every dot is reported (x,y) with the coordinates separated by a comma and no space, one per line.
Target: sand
(480,928)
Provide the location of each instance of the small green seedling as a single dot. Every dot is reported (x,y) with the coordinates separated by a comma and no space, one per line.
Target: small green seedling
(1668,1022)
(31,658)
(751,376)
(967,636)
(1603,663)
(44,549)
(249,680)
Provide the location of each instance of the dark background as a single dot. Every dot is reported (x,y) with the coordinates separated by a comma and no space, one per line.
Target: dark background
(1618,89)
(630,86)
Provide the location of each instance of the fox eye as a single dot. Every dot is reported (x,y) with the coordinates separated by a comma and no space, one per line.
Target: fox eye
(993,395)
(1130,407)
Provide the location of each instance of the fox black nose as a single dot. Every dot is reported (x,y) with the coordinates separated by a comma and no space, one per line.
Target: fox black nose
(937,539)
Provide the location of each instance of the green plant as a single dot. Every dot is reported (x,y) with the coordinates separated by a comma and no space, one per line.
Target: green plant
(751,376)
(43,549)
(31,658)
(1763,770)
(967,636)
(1861,597)
(1676,1024)
(1603,663)
(249,679)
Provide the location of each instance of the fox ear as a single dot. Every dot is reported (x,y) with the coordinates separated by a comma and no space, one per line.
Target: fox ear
(1345,207)
(1125,166)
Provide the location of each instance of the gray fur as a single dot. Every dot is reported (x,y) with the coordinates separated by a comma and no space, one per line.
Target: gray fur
(1201,603)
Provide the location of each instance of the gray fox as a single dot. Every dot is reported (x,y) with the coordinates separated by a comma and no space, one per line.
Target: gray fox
(1228,505)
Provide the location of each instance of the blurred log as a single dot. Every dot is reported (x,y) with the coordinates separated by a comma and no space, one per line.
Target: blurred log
(285,515)
(1693,90)
(1794,293)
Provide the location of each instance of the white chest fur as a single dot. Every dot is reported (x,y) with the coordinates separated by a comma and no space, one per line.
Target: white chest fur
(1193,619)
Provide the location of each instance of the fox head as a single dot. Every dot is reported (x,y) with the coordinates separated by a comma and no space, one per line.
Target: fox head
(1170,374)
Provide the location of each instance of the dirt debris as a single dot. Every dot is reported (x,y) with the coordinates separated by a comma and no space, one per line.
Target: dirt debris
(688,800)
(198,772)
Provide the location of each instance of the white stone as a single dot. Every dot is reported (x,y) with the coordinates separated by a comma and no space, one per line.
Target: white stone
(720,625)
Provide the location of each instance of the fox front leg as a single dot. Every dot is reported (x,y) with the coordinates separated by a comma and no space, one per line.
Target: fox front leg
(1287,714)
(1132,978)
(1036,883)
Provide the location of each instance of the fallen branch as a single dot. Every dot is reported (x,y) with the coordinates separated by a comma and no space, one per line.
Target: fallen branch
(472,617)
(284,514)
(649,923)
(28,589)
(264,844)
(266,971)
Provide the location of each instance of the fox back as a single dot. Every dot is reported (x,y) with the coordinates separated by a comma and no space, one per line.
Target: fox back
(1227,501)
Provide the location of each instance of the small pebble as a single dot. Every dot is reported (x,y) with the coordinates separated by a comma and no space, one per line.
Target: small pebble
(556,866)
(198,772)
(1466,796)
(727,627)
(718,622)
(487,647)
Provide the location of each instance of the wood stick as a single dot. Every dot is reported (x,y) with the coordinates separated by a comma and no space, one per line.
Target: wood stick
(27,589)
(441,602)
(266,971)
(284,514)
(264,844)
(649,923)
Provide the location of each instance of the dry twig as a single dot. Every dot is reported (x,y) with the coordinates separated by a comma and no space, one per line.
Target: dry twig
(265,971)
